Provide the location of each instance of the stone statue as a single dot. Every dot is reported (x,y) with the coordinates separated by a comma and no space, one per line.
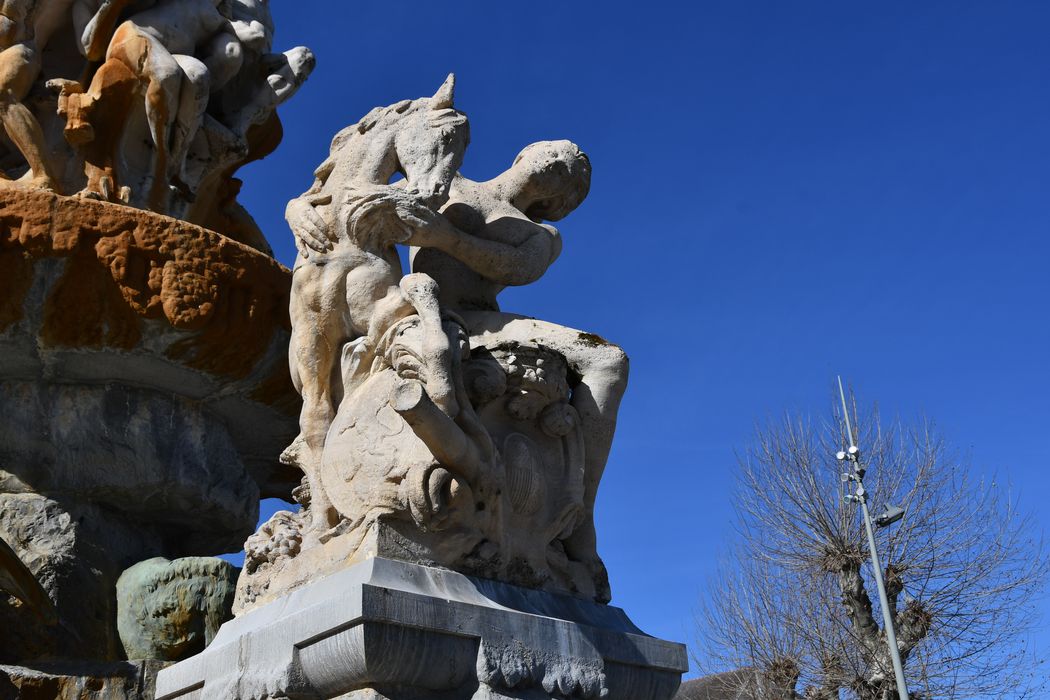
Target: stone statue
(474,438)
(445,547)
(242,124)
(351,291)
(491,236)
(157,46)
(171,610)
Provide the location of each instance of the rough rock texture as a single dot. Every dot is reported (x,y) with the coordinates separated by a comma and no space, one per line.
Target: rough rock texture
(145,399)
(19,582)
(171,610)
(80,681)
(75,551)
(96,294)
(388,629)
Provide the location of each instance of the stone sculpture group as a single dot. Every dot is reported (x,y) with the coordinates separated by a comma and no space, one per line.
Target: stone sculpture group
(445,545)
(182,93)
(153,356)
(474,437)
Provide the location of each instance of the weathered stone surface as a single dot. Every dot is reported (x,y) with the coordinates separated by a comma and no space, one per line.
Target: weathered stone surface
(143,375)
(145,398)
(97,294)
(74,550)
(80,681)
(18,581)
(388,629)
(138,451)
(171,610)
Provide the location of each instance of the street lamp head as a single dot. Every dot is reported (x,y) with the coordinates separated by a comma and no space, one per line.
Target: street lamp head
(840,455)
(891,515)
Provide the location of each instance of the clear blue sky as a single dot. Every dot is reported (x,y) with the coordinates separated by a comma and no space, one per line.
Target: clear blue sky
(782,192)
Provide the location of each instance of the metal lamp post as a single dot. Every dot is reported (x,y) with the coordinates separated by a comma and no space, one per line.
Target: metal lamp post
(892,515)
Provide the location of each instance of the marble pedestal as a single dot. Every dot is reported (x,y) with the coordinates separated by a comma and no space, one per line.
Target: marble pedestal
(390,630)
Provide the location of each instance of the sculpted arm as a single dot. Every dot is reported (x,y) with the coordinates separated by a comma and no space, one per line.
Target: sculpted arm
(253,34)
(503,263)
(308,225)
(253,26)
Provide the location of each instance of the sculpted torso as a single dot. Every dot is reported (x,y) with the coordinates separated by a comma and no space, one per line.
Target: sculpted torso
(365,277)
(363,271)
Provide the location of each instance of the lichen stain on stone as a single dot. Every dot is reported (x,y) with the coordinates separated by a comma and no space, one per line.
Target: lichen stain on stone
(593,340)
(125,266)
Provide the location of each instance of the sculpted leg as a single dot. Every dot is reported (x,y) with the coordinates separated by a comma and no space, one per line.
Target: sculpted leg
(19,67)
(318,333)
(193,101)
(147,58)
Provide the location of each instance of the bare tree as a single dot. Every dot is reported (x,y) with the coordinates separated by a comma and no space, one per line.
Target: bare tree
(795,601)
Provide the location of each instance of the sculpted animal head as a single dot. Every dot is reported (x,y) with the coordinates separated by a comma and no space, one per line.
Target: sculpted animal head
(422,464)
(429,138)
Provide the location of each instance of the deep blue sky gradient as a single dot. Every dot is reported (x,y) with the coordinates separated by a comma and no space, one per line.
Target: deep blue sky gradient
(782,192)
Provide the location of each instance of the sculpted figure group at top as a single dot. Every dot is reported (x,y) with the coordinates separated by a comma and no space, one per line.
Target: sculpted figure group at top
(478,436)
(168,99)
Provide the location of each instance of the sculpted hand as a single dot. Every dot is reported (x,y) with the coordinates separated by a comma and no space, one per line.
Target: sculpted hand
(424,223)
(311,232)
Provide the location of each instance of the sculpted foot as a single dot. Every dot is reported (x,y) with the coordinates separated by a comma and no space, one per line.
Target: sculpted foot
(90,194)
(43,182)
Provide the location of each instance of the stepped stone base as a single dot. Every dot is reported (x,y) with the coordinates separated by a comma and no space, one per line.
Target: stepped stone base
(389,630)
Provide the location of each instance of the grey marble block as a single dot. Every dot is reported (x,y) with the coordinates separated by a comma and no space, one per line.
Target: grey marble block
(390,630)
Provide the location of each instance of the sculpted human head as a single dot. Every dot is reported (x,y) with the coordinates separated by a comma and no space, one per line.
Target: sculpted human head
(286,72)
(552,179)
